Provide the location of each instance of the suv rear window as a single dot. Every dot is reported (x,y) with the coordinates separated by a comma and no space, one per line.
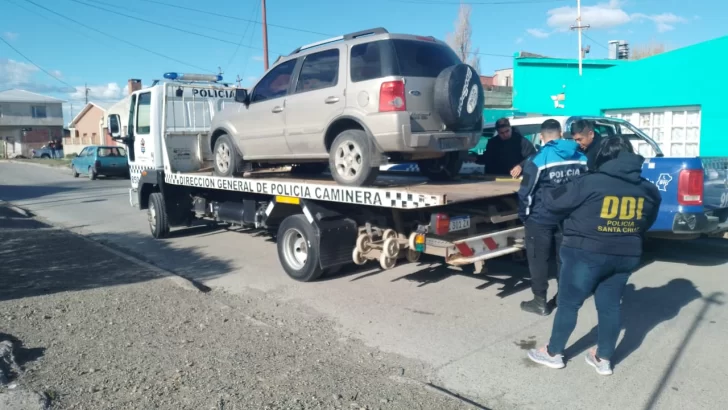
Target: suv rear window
(409,58)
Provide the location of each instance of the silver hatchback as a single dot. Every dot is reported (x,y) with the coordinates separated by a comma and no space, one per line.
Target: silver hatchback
(353,103)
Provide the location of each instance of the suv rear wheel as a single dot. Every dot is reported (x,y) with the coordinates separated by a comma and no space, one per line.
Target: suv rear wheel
(350,159)
(227,160)
(445,168)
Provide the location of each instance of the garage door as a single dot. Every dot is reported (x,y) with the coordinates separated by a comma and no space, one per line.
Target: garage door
(676,129)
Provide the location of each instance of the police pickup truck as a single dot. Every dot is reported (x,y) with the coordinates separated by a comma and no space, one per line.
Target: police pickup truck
(694,189)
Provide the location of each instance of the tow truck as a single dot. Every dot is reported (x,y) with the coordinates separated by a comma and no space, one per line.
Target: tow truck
(319,225)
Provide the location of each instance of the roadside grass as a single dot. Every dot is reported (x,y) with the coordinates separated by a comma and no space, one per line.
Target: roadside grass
(53,162)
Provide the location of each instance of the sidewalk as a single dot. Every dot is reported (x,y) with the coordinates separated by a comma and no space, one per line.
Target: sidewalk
(93,331)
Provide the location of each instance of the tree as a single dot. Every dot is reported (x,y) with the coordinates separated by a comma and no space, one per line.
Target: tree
(648,50)
(460,39)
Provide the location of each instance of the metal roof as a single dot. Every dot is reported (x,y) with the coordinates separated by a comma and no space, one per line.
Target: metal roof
(22,96)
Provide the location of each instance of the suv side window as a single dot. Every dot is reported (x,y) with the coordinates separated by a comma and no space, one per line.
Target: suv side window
(366,61)
(275,84)
(319,70)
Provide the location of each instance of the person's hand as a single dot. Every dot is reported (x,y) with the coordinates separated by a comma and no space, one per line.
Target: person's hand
(516,171)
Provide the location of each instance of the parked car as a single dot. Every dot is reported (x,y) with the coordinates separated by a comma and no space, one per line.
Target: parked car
(45,152)
(355,102)
(100,160)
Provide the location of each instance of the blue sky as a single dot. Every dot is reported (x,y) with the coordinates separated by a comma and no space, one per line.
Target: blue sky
(78,55)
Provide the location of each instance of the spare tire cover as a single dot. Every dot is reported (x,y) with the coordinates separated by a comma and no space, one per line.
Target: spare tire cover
(459,97)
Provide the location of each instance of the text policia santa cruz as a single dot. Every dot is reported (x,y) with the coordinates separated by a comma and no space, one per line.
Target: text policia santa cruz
(334,193)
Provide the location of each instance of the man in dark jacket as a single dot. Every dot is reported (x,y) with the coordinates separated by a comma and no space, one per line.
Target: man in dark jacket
(588,139)
(607,213)
(557,162)
(505,153)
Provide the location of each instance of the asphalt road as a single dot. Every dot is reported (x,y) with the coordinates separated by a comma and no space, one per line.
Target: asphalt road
(468,329)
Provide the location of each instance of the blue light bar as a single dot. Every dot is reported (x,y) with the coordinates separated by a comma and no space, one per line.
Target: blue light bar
(193,77)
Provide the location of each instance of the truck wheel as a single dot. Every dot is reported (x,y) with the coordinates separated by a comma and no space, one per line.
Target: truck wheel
(92,173)
(446,168)
(157,216)
(298,249)
(350,159)
(228,161)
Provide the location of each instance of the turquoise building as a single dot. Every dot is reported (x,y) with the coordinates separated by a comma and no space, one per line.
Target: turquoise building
(677,97)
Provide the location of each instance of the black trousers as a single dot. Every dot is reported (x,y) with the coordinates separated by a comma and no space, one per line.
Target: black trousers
(543,243)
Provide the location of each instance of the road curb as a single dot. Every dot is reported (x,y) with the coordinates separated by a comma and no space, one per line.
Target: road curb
(178,280)
(35,164)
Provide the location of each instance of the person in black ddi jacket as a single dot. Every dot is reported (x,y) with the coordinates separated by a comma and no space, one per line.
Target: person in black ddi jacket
(606,215)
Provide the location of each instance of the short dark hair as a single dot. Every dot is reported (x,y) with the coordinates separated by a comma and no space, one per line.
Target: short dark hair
(551,125)
(502,123)
(610,148)
(581,127)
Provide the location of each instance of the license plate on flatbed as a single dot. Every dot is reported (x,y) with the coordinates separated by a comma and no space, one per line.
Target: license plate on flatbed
(459,223)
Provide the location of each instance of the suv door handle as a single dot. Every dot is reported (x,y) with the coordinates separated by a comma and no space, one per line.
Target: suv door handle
(331,100)
(277,109)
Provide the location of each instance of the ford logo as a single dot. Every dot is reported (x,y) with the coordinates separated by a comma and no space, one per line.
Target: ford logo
(415,93)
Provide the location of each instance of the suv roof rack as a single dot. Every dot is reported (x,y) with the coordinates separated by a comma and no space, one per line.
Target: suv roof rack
(350,36)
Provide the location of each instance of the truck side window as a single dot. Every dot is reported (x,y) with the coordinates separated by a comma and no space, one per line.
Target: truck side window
(275,84)
(130,127)
(144,111)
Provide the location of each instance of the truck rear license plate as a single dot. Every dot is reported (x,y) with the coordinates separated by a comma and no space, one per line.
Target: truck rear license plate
(459,223)
(451,143)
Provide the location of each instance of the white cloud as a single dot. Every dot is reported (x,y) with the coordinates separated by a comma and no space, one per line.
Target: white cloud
(16,72)
(608,15)
(107,92)
(519,40)
(10,36)
(665,21)
(538,33)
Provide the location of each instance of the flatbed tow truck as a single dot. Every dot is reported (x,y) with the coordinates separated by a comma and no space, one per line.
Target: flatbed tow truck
(320,225)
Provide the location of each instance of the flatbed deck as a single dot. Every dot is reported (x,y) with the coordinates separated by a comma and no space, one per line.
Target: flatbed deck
(391,191)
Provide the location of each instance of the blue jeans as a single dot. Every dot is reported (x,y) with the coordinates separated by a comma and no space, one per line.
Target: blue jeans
(584,273)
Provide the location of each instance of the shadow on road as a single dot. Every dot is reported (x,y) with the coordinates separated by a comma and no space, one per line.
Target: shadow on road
(28,192)
(642,310)
(698,252)
(21,353)
(37,259)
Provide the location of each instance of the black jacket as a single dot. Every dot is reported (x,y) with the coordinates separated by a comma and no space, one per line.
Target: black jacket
(592,150)
(501,156)
(607,211)
(557,163)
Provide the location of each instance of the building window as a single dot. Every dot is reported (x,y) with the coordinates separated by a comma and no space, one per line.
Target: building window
(38,111)
(676,129)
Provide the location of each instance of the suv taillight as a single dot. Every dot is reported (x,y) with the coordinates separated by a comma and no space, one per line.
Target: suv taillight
(391,97)
(690,187)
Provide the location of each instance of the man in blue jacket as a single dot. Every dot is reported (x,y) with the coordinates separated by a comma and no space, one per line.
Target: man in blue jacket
(558,162)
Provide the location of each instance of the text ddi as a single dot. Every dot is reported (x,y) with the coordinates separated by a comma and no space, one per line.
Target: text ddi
(622,207)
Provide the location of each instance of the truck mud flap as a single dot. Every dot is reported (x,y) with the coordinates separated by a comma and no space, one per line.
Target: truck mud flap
(336,234)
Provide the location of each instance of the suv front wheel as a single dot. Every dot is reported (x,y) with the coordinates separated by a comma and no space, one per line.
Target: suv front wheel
(445,168)
(350,159)
(227,160)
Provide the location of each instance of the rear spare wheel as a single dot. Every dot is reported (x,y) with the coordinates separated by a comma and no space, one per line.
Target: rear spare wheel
(459,97)
(227,160)
(350,159)
(298,249)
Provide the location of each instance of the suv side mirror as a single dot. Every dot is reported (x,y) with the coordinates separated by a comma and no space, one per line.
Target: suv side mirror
(113,125)
(242,96)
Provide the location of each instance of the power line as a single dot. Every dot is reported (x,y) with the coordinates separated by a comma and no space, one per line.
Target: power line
(120,39)
(36,65)
(227,16)
(252,36)
(250,23)
(595,42)
(162,25)
(125,7)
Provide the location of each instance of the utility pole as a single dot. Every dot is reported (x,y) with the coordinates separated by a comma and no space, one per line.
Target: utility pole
(579,27)
(86,92)
(265,35)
